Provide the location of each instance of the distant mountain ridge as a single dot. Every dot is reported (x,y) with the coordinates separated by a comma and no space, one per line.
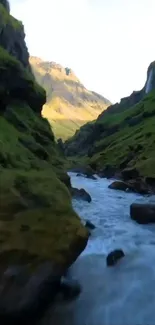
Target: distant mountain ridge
(69,104)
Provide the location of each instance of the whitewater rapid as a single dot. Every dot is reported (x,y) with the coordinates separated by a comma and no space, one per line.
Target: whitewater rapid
(121,295)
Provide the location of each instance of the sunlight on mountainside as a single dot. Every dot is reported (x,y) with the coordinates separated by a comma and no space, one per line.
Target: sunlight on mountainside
(69,104)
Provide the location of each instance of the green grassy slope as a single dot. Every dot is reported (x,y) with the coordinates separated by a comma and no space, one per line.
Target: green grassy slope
(131,135)
(36,215)
(69,104)
(123,136)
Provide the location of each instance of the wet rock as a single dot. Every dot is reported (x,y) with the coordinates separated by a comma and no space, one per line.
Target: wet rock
(92,177)
(114,256)
(70,288)
(118,185)
(130,173)
(139,186)
(89,225)
(87,176)
(25,295)
(83,170)
(143,213)
(80,194)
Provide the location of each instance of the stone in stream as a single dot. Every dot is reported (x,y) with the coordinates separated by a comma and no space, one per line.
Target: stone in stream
(80,194)
(114,256)
(24,296)
(137,186)
(143,213)
(89,225)
(87,176)
(83,170)
(69,288)
(91,177)
(119,185)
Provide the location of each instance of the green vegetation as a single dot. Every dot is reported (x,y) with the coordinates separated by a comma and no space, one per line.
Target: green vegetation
(7,20)
(123,139)
(32,194)
(6,4)
(37,221)
(23,87)
(39,202)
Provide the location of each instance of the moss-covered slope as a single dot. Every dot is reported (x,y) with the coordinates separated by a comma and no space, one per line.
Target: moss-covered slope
(123,136)
(36,215)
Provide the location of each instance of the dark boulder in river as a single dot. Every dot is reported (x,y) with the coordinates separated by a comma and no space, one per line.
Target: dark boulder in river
(89,225)
(118,185)
(91,177)
(83,171)
(87,176)
(70,288)
(80,194)
(143,213)
(137,186)
(24,296)
(114,256)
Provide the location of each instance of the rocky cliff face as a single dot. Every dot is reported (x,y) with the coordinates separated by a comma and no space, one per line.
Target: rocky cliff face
(12,36)
(123,135)
(39,231)
(69,104)
(6,5)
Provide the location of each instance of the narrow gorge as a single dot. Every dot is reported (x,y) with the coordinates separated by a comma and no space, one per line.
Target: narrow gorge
(77,182)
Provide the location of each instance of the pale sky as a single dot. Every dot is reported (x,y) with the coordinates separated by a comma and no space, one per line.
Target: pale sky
(107,43)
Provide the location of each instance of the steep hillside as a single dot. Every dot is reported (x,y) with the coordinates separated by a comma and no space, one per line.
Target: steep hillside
(38,228)
(122,136)
(69,104)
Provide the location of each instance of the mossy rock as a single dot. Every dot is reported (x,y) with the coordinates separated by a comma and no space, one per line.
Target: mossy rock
(33,196)
(39,230)
(6,18)
(6,5)
(22,87)
(41,202)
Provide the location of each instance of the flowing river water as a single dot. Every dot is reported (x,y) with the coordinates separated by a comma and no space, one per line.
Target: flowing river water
(120,295)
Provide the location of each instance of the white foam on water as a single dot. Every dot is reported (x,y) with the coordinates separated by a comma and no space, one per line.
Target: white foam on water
(110,212)
(125,293)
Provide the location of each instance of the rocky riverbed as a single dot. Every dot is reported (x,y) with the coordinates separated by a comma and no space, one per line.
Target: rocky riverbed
(125,293)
